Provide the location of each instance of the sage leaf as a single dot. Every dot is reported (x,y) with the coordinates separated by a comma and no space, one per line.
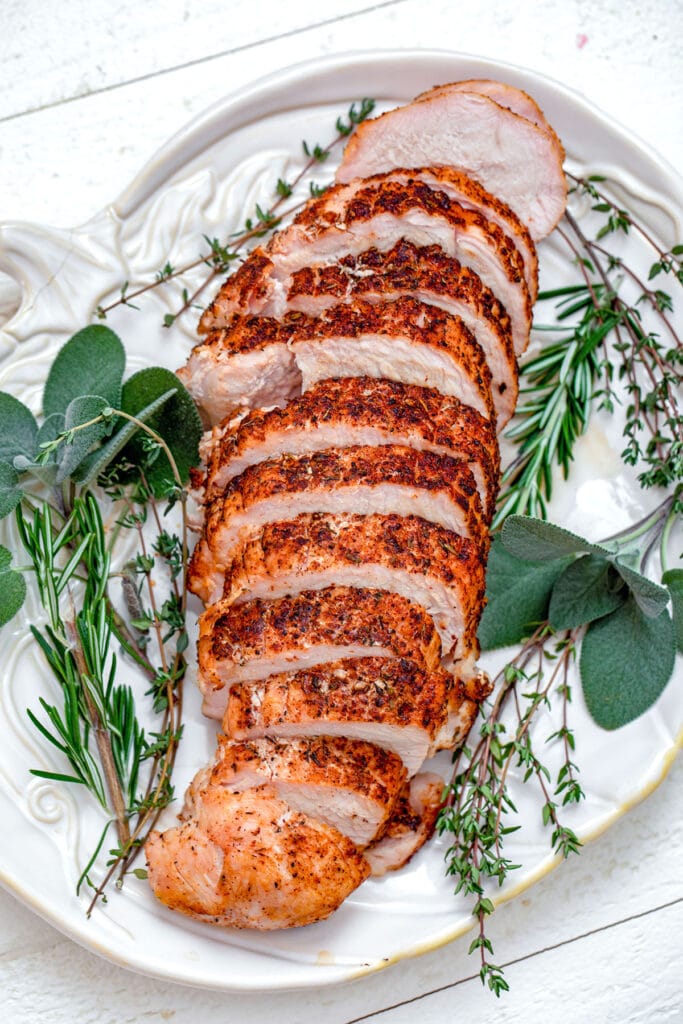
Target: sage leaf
(674,582)
(12,588)
(587,589)
(18,429)
(10,494)
(177,422)
(650,598)
(79,411)
(626,661)
(90,363)
(96,463)
(536,540)
(518,594)
(45,472)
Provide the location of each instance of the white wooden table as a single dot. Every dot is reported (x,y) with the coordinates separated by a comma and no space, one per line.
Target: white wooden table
(90,89)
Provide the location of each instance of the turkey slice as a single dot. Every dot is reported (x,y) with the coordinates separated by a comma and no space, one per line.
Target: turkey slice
(441,571)
(509,155)
(255,640)
(262,361)
(387,701)
(349,784)
(356,411)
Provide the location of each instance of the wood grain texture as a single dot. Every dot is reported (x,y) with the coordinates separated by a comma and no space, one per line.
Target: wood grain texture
(60,165)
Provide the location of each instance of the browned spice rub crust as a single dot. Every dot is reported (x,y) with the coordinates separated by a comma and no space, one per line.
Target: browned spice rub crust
(439,421)
(328,543)
(250,282)
(233,636)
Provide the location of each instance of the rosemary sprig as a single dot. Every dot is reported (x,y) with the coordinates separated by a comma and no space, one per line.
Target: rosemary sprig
(556,400)
(114,439)
(606,330)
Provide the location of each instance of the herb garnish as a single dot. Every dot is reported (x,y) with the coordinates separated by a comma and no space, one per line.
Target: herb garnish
(563,598)
(94,469)
(567,600)
(221,256)
(573,376)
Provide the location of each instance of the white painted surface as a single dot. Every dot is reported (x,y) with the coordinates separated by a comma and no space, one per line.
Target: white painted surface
(60,165)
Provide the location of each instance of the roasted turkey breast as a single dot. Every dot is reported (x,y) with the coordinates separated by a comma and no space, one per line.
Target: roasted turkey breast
(256,639)
(355,371)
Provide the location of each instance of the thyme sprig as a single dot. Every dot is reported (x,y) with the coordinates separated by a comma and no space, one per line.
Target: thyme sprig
(479,812)
(221,256)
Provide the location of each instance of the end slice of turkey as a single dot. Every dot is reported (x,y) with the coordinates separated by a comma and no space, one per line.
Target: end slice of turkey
(248,860)
(512,157)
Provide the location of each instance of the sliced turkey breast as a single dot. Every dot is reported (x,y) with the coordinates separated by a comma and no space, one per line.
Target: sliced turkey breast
(250,861)
(509,155)
(426,274)
(254,640)
(349,220)
(468,193)
(387,701)
(443,572)
(410,826)
(349,784)
(390,479)
(464,192)
(405,340)
(356,411)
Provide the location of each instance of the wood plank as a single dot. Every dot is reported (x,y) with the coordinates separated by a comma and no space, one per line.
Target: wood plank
(76,48)
(639,961)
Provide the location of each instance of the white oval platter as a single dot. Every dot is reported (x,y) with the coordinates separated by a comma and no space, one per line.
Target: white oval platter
(205,181)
